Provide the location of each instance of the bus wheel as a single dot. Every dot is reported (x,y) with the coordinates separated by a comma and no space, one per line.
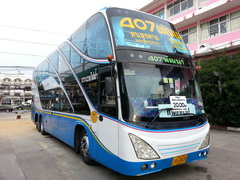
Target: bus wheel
(39,125)
(43,132)
(84,148)
(36,121)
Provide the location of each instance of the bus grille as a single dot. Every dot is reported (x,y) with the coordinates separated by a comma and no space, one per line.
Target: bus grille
(178,149)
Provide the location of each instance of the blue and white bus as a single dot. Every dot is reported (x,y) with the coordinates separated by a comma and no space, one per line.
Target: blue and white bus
(122,91)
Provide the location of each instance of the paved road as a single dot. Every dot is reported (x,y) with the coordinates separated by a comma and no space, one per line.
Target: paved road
(27,155)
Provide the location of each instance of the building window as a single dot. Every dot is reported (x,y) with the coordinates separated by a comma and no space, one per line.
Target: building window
(189,35)
(179,6)
(159,13)
(234,20)
(214,27)
(6,80)
(221,25)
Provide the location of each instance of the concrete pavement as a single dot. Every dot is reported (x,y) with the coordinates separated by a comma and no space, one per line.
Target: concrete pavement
(27,155)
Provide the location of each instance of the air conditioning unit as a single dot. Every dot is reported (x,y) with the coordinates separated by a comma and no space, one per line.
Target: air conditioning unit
(203,46)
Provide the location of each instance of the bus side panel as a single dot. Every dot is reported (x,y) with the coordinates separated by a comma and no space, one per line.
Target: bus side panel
(63,126)
(107,159)
(48,120)
(107,151)
(60,127)
(66,128)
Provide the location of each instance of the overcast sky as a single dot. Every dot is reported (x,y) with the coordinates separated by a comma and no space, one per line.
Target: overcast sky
(31,29)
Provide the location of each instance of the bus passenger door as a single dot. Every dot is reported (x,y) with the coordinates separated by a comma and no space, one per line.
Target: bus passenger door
(107,123)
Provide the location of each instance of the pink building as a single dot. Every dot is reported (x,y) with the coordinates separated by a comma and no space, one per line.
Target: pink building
(203,24)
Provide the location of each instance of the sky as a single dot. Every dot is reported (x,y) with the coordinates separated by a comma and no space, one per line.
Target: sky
(31,29)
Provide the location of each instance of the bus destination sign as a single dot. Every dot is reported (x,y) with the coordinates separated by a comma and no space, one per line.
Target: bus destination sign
(166,60)
(152,58)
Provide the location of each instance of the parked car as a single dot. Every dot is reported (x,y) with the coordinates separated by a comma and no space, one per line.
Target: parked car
(4,108)
(23,107)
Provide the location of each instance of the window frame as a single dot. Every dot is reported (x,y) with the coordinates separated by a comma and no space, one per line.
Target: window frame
(93,39)
(173,7)
(188,32)
(160,13)
(207,25)
(231,19)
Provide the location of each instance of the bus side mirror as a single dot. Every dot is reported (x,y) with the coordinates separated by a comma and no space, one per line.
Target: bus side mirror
(109,86)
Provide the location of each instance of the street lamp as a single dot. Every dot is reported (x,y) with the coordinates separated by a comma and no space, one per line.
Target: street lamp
(217,74)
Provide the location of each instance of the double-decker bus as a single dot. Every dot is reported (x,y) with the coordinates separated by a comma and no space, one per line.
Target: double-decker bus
(122,91)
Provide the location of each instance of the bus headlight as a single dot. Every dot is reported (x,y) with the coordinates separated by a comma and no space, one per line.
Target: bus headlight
(205,142)
(142,149)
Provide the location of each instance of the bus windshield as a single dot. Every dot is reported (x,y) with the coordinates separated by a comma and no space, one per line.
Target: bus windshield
(149,88)
(136,30)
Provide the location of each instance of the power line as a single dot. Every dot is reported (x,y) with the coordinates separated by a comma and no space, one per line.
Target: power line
(36,30)
(17,67)
(13,53)
(31,42)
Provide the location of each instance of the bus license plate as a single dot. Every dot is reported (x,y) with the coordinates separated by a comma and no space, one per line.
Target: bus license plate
(179,160)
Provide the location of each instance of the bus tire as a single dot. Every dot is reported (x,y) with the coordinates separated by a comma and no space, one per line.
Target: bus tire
(39,124)
(43,132)
(36,121)
(84,148)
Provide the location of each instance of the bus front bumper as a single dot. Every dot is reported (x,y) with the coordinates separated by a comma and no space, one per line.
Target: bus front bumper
(147,167)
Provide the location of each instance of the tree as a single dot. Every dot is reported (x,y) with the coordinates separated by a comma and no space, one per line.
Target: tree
(220,84)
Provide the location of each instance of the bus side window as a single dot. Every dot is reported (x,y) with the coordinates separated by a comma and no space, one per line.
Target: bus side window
(107,99)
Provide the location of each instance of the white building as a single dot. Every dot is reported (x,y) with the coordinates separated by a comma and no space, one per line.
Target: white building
(15,89)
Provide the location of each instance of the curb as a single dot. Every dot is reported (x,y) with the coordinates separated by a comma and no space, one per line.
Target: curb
(225,128)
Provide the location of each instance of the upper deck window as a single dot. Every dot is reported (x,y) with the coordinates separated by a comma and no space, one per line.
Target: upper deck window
(92,38)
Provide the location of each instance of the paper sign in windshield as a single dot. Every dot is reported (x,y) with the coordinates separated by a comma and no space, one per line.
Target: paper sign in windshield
(177,86)
(178,103)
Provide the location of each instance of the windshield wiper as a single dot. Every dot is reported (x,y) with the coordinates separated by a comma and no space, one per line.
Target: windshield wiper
(158,114)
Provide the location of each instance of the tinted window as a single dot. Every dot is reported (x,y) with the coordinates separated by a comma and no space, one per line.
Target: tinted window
(54,60)
(71,55)
(51,94)
(89,80)
(79,38)
(72,88)
(98,41)
(107,93)
(92,38)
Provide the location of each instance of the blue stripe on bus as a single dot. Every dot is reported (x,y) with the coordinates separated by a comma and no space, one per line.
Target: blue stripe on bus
(126,167)
(144,129)
(151,130)
(162,131)
(117,121)
(86,125)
